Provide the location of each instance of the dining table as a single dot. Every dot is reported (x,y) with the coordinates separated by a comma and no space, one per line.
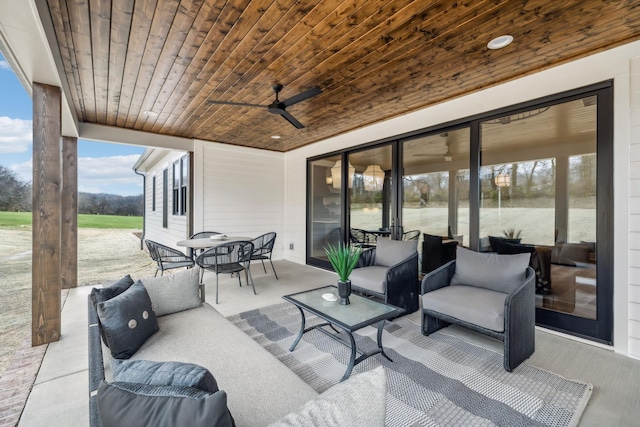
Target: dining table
(207,242)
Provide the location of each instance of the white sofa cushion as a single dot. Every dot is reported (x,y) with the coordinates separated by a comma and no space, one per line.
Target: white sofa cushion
(358,401)
(479,306)
(174,292)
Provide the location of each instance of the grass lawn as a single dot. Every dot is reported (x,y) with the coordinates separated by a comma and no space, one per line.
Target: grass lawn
(21,219)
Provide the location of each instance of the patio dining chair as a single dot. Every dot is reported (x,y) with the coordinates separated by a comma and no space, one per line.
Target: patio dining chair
(263,248)
(411,235)
(167,258)
(200,235)
(230,257)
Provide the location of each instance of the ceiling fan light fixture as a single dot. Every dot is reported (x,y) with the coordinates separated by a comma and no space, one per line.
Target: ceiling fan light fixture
(151,114)
(275,137)
(500,42)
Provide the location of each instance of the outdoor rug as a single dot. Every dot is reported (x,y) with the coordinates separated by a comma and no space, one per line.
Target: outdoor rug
(439,380)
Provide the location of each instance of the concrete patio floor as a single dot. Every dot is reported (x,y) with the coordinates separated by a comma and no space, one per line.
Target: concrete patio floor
(60,393)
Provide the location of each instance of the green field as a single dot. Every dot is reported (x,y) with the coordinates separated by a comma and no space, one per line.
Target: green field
(21,219)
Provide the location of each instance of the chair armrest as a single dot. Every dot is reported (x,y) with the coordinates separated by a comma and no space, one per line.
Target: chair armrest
(367,258)
(438,278)
(520,320)
(402,285)
(404,270)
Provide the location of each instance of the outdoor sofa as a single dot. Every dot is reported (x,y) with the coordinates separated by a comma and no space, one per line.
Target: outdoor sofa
(193,342)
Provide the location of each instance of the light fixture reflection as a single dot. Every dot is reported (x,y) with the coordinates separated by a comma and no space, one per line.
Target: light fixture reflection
(336,174)
(373,178)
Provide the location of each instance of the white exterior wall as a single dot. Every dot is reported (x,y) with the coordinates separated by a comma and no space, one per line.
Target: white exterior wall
(634,207)
(177,224)
(239,191)
(613,64)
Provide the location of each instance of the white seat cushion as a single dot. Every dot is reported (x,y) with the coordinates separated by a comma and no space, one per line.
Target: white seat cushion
(479,306)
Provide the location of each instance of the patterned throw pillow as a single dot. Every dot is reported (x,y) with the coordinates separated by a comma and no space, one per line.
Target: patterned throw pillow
(127,320)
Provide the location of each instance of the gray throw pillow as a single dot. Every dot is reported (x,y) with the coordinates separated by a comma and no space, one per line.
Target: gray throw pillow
(106,293)
(174,292)
(501,273)
(358,401)
(127,320)
(129,404)
(163,373)
(391,252)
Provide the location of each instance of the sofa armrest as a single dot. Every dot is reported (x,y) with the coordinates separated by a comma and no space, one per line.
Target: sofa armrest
(438,278)
(96,365)
(519,317)
(367,258)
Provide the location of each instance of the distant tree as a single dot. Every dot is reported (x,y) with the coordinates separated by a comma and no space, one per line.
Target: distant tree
(15,195)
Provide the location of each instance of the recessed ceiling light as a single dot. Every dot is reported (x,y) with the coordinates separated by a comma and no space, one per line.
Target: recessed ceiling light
(275,136)
(500,42)
(150,113)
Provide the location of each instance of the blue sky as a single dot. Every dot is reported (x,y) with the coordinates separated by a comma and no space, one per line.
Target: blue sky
(102,167)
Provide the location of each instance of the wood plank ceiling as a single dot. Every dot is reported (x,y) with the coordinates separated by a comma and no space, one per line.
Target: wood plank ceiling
(373,59)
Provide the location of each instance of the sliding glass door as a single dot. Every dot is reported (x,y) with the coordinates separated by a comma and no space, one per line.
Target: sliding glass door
(536,178)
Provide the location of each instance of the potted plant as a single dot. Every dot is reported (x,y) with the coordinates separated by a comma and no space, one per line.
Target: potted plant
(512,235)
(343,259)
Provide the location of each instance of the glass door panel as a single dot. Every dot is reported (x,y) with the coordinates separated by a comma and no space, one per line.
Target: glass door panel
(325,206)
(435,190)
(538,190)
(370,196)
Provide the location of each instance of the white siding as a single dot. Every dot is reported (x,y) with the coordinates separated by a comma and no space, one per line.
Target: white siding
(177,224)
(634,207)
(613,64)
(239,190)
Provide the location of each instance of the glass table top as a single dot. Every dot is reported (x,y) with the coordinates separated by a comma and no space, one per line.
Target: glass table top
(361,312)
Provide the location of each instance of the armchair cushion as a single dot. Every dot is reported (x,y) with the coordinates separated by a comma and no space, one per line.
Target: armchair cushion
(391,252)
(372,278)
(470,304)
(500,273)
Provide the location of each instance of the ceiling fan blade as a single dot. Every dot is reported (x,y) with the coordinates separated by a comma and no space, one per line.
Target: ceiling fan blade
(302,96)
(288,117)
(241,104)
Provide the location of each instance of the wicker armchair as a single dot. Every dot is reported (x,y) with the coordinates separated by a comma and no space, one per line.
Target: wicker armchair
(389,271)
(263,248)
(230,257)
(167,258)
(500,307)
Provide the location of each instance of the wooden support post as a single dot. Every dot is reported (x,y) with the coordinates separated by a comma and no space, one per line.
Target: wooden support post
(69,212)
(47,161)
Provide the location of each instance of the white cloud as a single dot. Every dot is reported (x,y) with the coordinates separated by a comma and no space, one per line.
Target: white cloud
(4,65)
(111,175)
(24,170)
(15,135)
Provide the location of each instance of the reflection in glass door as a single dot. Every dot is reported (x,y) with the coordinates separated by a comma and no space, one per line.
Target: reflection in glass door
(325,205)
(435,193)
(370,197)
(538,194)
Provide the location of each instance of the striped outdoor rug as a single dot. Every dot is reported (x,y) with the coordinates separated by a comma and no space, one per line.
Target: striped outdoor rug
(438,380)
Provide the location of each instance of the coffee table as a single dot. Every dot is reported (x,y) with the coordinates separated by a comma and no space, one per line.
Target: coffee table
(349,318)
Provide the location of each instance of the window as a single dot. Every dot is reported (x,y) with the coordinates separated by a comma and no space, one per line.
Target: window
(180,182)
(165,197)
(153,194)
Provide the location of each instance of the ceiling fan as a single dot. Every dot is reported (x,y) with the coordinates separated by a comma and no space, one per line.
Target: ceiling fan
(279,107)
